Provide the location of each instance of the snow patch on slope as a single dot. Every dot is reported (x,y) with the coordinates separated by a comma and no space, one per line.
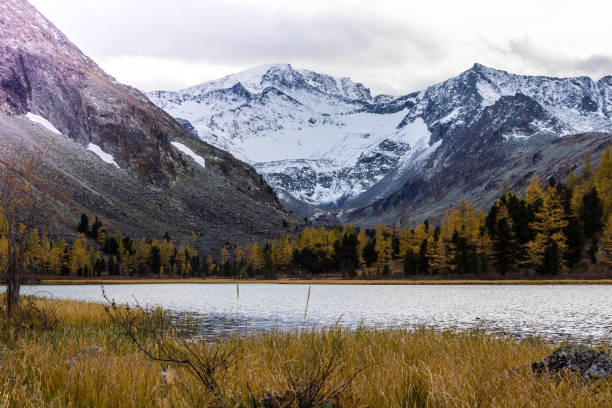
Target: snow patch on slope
(488,94)
(198,159)
(106,158)
(43,122)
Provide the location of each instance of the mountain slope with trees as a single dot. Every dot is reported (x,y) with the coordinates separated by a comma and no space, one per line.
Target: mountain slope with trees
(551,229)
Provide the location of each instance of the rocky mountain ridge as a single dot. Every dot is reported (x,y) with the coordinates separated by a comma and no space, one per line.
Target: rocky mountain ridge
(46,79)
(325,144)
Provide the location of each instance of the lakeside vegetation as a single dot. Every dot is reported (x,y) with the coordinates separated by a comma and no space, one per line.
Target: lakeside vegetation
(43,365)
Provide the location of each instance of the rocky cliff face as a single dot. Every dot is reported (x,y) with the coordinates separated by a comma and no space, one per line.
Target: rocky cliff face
(326,145)
(43,75)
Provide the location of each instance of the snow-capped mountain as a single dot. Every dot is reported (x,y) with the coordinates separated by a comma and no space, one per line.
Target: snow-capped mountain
(326,142)
(313,136)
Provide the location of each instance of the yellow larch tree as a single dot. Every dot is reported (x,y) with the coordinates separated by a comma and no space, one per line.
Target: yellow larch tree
(362,241)
(211,264)
(605,244)
(180,262)
(383,247)
(275,252)
(240,255)
(439,254)
(225,256)
(603,181)
(420,234)
(404,240)
(583,184)
(78,255)
(286,251)
(548,225)
(166,251)
(101,236)
(533,192)
(45,248)
(256,257)
(35,253)
(127,265)
(141,256)
(55,259)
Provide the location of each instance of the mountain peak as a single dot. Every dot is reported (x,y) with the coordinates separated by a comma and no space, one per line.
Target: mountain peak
(22,27)
(486,70)
(606,80)
(43,73)
(250,79)
(284,76)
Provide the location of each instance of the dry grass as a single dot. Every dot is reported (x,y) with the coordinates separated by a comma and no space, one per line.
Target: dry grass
(403,368)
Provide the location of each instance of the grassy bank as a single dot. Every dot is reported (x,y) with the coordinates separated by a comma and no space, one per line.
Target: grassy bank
(388,368)
(331,281)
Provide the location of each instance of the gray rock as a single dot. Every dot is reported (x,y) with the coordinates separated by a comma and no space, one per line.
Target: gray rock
(601,367)
(587,361)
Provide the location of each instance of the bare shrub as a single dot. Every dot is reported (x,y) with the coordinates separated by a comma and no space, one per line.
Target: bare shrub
(32,314)
(316,379)
(24,179)
(156,337)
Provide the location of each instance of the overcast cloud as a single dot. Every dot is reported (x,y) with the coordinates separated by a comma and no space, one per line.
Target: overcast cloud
(391,46)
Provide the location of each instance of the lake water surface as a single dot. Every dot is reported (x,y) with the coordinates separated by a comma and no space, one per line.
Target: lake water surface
(580,312)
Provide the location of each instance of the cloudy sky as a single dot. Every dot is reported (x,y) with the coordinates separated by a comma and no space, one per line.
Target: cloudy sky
(390,46)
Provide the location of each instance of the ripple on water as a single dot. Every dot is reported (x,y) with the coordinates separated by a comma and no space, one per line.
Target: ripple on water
(555,312)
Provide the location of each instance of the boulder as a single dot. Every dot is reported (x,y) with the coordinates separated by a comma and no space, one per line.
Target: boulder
(589,362)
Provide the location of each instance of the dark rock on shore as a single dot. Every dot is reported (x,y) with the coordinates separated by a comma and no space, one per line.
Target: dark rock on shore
(589,362)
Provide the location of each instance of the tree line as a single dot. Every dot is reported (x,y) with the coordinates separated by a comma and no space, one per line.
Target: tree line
(95,252)
(548,228)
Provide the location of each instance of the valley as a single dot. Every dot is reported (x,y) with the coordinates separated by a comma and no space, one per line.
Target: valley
(285,238)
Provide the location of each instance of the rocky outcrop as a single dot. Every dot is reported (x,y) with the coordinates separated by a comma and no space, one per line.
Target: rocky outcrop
(185,124)
(586,361)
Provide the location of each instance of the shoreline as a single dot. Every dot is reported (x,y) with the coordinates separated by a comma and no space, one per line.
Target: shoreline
(220,281)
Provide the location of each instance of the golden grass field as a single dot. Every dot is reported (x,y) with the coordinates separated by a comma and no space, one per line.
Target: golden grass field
(391,368)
